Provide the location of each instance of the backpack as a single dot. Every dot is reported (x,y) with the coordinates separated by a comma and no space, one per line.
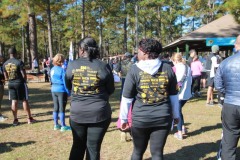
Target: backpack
(209,61)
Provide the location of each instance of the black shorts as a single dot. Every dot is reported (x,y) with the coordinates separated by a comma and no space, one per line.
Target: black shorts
(18,91)
(204,75)
(210,81)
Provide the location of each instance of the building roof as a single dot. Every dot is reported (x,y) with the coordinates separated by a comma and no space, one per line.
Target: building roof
(225,26)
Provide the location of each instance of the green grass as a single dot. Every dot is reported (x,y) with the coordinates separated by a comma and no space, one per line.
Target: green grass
(40,142)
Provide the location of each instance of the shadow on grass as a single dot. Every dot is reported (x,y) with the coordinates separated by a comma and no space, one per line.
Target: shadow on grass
(113,128)
(8,146)
(196,152)
(205,129)
(4,125)
(193,152)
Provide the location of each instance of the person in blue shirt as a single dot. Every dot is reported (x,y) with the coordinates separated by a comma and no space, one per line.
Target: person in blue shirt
(59,93)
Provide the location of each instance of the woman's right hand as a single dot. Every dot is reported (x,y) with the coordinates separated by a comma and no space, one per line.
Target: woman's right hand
(124,126)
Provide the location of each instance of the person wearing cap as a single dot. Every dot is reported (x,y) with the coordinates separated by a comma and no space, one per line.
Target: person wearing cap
(211,66)
(227,80)
(124,67)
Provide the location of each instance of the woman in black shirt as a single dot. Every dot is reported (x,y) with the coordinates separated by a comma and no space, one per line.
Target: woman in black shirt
(153,84)
(91,82)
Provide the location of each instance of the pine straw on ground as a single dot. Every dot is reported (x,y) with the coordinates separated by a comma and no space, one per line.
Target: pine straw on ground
(40,142)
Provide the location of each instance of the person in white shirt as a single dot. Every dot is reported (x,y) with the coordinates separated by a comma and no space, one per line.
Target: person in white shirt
(210,81)
(184,79)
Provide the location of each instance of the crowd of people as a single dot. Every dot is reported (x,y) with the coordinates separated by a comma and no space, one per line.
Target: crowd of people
(154,89)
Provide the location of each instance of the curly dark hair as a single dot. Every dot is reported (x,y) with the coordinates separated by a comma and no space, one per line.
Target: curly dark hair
(151,47)
(89,45)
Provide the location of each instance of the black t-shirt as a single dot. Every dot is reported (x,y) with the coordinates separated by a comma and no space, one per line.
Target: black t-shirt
(152,106)
(91,83)
(13,68)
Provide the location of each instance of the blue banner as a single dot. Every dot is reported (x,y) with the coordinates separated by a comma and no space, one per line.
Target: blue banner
(226,41)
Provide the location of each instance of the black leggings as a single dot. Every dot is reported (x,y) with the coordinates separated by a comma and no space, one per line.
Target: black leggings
(59,101)
(87,137)
(157,137)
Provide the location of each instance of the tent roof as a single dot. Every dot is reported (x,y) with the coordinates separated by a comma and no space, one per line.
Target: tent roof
(225,26)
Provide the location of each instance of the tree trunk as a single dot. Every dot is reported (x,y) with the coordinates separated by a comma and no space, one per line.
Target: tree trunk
(4,51)
(83,18)
(33,37)
(1,49)
(59,43)
(193,21)
(29,56)
(136,26)
(145,28)
(125,30)
(23,45)
(100,33)
(45,45)
(49,29)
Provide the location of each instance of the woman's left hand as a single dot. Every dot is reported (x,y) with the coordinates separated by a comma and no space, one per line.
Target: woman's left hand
(124,126)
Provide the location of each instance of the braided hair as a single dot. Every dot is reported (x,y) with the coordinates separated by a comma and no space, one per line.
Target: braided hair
(89,45)
(151,47)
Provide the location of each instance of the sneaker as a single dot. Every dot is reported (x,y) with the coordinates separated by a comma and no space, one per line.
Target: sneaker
(178,136)
(57,127)
(2,118)
(65,128)
(15,122)
(31,120)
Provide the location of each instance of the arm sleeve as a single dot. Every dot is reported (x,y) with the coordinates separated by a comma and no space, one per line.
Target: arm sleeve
(129,92)
(129,88)
(64,83)
(110,80)
(68,77)
(124,108)
(218,80)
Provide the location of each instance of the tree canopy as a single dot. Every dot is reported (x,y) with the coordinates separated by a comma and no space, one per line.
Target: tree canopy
(112,23)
